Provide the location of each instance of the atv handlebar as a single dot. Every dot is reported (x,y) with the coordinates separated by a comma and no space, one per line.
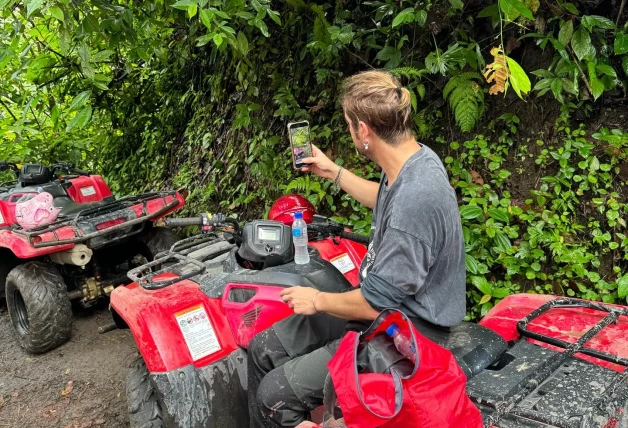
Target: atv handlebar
(8,166)
(360,239)
(184,221)
(203,220)
(68,167)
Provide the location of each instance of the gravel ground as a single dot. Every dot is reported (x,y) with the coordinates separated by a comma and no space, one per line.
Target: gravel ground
(78,385)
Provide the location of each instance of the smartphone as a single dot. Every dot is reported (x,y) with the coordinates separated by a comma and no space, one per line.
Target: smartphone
(299,133)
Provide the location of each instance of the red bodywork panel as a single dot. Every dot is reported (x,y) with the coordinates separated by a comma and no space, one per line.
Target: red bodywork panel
(567,324)
(261,312)
(88,189)
(20,246)
(330,251)
(151,314)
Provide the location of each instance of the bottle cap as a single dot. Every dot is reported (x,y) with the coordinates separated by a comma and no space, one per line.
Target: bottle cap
(392,329)
(298,215)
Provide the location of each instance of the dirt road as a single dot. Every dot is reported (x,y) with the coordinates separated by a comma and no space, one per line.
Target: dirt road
(35,390)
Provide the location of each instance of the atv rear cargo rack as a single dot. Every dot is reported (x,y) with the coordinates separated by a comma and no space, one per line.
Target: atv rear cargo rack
(549,367)
(35,235)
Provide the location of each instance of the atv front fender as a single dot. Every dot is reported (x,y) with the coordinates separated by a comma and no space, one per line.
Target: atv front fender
(151,315)
(208,397)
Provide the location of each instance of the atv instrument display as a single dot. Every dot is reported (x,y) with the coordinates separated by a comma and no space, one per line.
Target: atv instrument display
(64,238)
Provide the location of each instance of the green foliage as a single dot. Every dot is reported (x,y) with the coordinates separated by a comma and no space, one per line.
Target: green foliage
(544,243)
(466,99)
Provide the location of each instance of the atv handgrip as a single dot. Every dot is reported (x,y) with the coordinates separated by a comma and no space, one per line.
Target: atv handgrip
(360,239)
(80,171)
(184,221)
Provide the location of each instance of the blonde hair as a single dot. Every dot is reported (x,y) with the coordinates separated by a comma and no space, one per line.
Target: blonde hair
(377,98)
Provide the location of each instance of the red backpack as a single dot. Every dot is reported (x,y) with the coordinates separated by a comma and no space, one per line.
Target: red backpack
(431,396)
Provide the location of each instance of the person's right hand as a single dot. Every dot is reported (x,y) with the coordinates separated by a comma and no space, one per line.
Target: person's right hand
(320,165)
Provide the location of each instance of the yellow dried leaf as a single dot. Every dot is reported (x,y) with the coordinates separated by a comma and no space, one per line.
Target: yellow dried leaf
(497,72)
(485,298)
(68,388)
(533,5)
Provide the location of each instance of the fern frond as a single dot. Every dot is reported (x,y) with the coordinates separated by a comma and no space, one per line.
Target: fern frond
(408,72)
(466,99)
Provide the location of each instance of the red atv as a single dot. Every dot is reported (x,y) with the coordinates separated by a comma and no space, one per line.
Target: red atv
(78,250)
(533,361)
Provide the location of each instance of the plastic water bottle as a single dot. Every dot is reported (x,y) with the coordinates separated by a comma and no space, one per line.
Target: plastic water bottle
(299,237)
(402,343)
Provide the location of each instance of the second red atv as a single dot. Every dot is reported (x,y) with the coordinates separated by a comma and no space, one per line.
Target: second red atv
(533,361)
(76,246)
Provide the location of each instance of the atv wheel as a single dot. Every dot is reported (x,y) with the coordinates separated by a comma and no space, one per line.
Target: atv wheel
(156,240)
(39,307)
(144,409)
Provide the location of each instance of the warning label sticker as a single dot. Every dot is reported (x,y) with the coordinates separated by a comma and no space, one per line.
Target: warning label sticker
(343,263)
(198,332)
(88,191)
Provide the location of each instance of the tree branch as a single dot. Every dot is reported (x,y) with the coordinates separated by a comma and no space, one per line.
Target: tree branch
(7,108)
(582,75)
(621,11)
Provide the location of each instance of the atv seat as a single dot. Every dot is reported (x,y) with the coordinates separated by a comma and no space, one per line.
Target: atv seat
(474,347)
(70,208)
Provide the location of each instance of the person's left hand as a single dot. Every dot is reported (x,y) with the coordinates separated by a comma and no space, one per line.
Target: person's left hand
(300,299)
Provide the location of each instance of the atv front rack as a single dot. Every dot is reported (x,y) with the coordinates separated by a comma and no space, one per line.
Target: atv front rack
(149,279)
(95,215)
(545,370)
(183,261)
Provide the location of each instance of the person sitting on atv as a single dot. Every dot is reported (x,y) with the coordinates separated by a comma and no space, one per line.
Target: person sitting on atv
(415,260)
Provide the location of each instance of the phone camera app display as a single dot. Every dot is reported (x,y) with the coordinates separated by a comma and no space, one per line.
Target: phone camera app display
(301,148)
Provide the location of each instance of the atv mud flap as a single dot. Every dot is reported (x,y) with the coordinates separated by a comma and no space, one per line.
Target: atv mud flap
(213,396)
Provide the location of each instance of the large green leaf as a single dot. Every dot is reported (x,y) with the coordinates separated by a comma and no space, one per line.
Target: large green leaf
(581,43)
(457,4)
(471,263)
(519,80)
(56,12)
(565,33)
(502,242)
(595,21)
(242,44)
(406,15)
(469,212)
(81,119)
(622,286)
(621,43)
(514,8)
(184,4)
(206,18)
(33,6)
(596,85)
(482,284)
(79,101)
(499,214)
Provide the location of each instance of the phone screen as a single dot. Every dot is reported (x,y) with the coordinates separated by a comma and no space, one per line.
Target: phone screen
(300,139)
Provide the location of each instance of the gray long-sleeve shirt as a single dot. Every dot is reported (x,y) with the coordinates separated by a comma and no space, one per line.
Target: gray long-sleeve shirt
(416,258)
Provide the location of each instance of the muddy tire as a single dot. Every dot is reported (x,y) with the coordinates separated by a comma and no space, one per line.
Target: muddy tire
(156,240)
(144,408)
(7,262)
(39,307)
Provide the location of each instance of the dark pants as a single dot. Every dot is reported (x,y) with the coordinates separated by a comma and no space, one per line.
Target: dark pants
(287,367)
